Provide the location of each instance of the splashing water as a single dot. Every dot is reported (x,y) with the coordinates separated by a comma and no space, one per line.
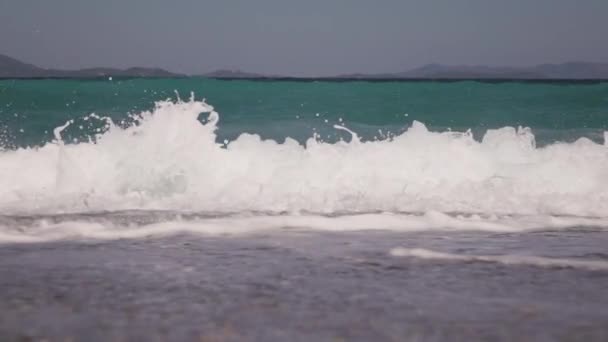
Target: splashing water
(168,159)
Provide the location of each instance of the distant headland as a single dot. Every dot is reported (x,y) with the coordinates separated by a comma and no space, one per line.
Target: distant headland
(13,68)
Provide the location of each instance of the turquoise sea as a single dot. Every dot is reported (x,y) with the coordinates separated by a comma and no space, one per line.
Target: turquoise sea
(555,111)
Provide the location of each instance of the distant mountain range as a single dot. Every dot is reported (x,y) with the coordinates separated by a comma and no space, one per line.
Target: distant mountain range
(570,70)
(12,68)
(235,74)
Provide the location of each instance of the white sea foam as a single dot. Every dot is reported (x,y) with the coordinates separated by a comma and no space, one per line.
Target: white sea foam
(171,161)
(102,227)
(528,260)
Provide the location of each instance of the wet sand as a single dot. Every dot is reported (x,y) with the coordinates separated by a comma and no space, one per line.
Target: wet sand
(303,286)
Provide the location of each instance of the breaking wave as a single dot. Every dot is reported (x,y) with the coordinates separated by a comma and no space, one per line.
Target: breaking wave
(169,159)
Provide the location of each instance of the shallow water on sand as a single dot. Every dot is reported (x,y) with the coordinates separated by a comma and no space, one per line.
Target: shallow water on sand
(303,285)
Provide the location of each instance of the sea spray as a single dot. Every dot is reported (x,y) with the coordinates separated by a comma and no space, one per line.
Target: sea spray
(169,159)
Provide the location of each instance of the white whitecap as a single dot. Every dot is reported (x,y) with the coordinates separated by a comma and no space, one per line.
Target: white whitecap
(512,259)
(170,160)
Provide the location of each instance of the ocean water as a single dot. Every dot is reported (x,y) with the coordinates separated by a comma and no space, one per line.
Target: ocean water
(513,155)
(490,198)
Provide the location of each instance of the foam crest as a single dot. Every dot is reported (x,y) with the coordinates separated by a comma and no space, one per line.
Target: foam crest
(169,159)
(525,260)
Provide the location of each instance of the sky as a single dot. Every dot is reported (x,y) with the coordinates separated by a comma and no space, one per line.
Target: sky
(304,37)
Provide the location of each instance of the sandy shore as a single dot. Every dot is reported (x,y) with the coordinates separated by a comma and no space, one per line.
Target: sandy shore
(299,286)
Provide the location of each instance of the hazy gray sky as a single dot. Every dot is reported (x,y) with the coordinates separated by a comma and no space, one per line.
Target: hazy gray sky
(305,37)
